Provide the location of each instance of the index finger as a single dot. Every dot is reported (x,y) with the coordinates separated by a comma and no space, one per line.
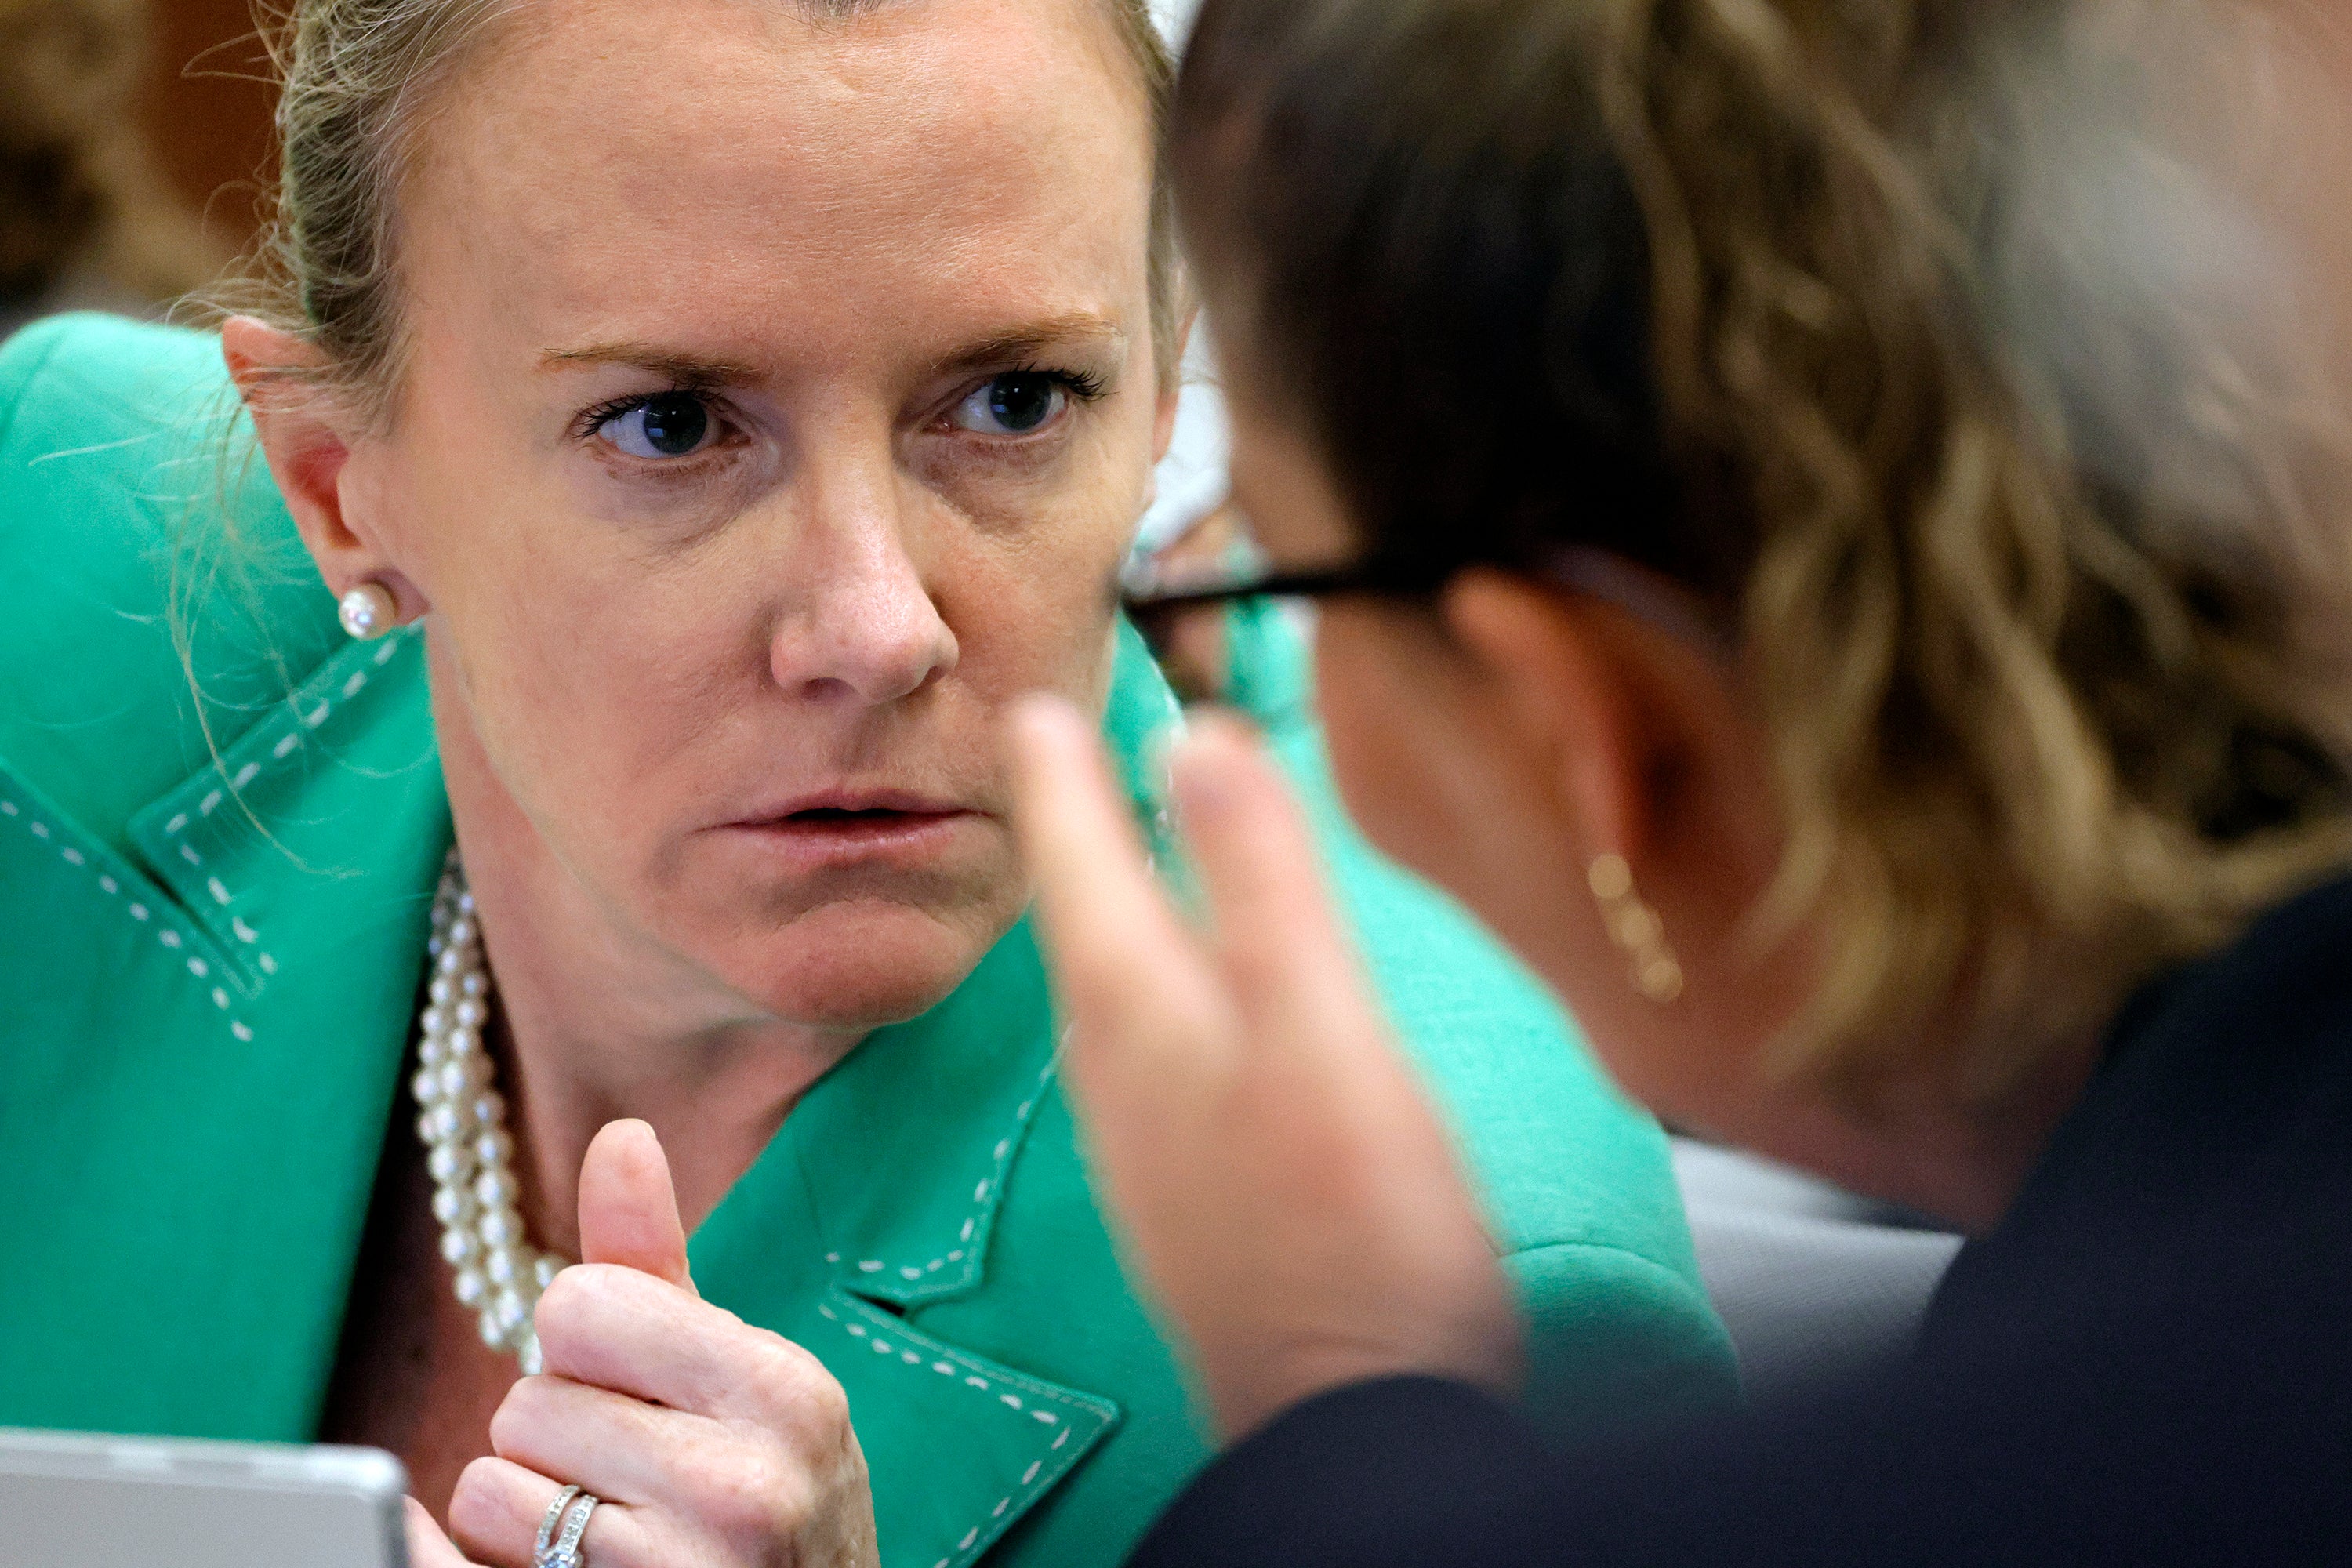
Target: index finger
(1279,938)
(615,1327)
(1125,964)
(1095,897)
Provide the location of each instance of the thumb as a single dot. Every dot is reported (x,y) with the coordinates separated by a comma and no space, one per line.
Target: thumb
(628,1211)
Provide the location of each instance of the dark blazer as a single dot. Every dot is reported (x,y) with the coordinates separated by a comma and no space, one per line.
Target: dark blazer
(2147,1362)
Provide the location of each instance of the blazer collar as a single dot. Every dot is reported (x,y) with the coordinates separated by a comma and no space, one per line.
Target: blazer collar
(201,1129)
(317,837)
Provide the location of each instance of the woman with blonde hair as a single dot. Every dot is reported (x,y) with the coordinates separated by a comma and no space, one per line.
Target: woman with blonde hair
(1822,540)
(516,954)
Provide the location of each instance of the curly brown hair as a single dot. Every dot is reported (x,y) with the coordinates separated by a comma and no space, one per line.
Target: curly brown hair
(2026,547)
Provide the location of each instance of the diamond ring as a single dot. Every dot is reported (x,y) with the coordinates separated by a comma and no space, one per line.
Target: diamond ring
(560,1547)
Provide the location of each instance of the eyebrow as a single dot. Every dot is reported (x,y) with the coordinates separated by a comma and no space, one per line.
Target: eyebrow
(1076,327)
(686,369)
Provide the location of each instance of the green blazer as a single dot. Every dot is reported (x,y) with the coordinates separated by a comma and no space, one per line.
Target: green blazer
(220,826)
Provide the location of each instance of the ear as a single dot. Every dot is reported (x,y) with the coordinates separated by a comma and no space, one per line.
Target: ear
(1643,733)
(1547,657)
(307,433)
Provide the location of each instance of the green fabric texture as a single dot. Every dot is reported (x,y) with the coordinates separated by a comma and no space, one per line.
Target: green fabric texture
(214,912)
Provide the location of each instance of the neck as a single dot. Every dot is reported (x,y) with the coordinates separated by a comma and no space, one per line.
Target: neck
(595,1020)
(1926,1145)
(579,1048)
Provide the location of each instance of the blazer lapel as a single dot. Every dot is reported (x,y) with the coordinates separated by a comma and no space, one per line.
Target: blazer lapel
(961,1446)
(877,1198)
(187,1203)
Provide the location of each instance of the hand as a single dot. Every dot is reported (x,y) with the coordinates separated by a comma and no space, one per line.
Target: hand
(1286,1190)
(713,1444)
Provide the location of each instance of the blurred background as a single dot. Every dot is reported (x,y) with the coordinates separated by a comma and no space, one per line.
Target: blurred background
(131,139)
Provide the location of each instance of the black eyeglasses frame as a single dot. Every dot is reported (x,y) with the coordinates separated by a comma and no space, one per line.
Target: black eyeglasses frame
(1607,576)
(1363,578)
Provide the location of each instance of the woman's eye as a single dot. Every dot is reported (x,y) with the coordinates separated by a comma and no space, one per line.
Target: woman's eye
(674,424)
(1014,404)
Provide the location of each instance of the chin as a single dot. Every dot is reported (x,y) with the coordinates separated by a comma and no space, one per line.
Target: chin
(862,966)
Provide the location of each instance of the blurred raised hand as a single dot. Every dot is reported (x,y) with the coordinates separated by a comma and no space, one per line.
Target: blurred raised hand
(1278,1181)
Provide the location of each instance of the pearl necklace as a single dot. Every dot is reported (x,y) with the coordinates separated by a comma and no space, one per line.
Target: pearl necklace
(462,1119)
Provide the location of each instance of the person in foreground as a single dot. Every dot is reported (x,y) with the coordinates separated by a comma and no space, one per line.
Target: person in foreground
(675,433)
(1787,565)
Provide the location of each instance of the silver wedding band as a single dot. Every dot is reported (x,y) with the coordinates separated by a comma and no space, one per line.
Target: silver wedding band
(560,1531)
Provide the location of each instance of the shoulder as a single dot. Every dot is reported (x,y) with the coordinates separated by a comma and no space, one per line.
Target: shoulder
(111,353)
(1577,1182)
(2206,1164)
(1566,1159)
(146,560)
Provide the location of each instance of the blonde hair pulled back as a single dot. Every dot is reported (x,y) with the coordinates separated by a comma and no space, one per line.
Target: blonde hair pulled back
(362,82)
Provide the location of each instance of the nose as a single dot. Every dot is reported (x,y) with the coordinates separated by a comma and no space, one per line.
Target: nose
(861,627)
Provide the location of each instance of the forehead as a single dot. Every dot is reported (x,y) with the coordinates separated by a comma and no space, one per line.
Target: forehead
(761,161)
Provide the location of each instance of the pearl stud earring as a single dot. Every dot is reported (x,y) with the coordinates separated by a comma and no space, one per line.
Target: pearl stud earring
(367,611)
(1636,929)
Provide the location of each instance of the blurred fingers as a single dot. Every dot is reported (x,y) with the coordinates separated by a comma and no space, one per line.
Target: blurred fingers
(1094,896)
(1278,936)
(1129,973)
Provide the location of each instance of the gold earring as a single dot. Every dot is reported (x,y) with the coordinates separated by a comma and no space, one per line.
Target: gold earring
(1636,928)
(367,611)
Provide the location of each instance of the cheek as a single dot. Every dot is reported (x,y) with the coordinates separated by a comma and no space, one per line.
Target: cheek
(1025,588)
(1427,767)
(1399,748)
(586,667)
(1376,753)
(535,599)
(606,688)
(1034,612)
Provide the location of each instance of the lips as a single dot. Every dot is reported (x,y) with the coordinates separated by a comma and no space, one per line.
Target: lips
(838,809)
(835,828)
